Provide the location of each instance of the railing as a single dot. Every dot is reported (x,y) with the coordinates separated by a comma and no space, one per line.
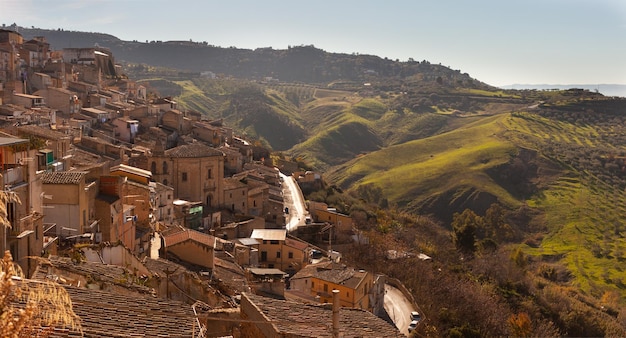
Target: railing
(22,225)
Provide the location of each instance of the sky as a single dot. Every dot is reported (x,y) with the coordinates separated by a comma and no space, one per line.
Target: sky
(500,42)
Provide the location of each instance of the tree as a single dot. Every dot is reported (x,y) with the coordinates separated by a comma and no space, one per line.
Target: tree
(520,325)
(464,227)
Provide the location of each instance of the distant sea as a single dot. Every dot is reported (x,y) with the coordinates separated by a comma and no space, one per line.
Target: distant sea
(604,89)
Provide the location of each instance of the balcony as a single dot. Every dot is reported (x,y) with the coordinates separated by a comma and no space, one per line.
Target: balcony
(13,175)
(25,226)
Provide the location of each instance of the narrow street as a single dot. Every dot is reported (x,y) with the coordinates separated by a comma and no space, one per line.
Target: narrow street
(398,308)
(294,202)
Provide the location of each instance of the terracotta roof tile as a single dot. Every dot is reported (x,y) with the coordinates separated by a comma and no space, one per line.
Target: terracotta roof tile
(193,150)
(63,177)
(42,132)
(61,267)
(336,273)
(105,314)
(314,320)
(188,234)
(112,314)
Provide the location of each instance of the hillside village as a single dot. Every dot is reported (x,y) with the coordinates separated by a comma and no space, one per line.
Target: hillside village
(180,225)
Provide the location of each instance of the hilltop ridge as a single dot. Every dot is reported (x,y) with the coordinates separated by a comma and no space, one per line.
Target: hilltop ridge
(303,63)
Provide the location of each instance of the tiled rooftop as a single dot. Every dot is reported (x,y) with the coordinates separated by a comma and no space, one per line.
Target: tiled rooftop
(42,132)
(336,273)
(296,244)
(161,265)
(105,314)
(188,234)
(118,314)
(193,150)
(294,319)
(233,183)
(63,177)
(63,267)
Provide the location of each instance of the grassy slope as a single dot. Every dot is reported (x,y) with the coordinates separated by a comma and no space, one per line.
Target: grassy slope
(193,98)
(422,168)
(340,128)
(582,214)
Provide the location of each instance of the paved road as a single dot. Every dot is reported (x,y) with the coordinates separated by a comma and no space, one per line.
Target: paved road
(293,199)
(398,307)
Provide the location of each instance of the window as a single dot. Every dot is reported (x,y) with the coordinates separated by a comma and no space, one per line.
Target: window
(275,242)
(263,256)
(231,195)
(209,174)
(325,287)
(277,254)
(165,167)
(290,255)
(153,167)
(184,177)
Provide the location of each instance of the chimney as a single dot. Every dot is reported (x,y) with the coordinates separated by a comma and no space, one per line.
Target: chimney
(336,307)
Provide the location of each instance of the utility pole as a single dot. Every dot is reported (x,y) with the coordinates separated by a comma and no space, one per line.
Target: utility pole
(167,281)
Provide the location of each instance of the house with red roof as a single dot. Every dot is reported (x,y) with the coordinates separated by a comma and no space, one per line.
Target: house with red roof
(191,246)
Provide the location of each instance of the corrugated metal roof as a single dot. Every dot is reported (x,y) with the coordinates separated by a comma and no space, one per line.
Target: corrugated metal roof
(264,271)
(10,141)
(248,241)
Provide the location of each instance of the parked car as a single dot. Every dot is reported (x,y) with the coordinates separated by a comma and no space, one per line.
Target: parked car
(413,325)
(416,316)
(316,254)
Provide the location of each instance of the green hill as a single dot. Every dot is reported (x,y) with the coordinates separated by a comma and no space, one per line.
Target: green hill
(411,174)
(566,164)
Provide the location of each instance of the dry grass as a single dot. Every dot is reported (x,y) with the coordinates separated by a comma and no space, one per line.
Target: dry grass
(32,308)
